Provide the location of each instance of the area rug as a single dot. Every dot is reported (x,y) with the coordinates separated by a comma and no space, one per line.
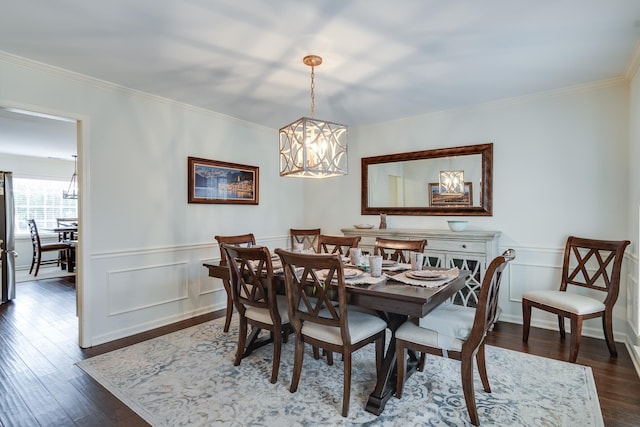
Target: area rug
(187,378)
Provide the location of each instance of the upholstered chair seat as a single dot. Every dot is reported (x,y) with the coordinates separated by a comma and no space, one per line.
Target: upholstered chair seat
(570,302)
(361,326)
(446,327)
(263,315)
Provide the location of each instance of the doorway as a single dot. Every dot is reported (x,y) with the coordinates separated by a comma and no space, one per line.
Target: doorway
(40,146)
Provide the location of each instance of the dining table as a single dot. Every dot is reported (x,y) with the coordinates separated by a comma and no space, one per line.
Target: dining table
(394,302)
(68,234)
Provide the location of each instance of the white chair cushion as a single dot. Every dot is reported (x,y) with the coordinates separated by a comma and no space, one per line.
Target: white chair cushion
(449,322)
(570,302)
(411,332)
(262,314)
(361,326)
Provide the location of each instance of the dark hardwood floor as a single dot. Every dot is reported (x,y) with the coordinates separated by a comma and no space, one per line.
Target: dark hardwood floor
(41,386)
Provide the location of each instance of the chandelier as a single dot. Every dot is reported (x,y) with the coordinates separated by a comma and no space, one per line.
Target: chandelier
(313,148)
(72,191)
(452,182)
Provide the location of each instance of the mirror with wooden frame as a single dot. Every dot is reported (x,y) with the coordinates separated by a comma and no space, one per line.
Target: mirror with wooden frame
(409,183)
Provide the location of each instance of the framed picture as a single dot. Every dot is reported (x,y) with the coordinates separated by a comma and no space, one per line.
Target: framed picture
(437,198)
(211,181)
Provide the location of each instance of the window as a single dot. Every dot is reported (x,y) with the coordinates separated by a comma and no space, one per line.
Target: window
(41,199)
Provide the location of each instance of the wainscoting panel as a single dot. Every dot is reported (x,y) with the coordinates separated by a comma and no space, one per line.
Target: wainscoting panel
(144,287)
(139,289)
(206,284)
(525,276)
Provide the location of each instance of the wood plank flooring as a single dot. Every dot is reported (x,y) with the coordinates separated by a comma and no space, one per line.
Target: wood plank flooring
(40,386)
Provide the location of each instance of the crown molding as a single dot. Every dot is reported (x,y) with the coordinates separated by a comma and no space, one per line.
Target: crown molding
(499,103)
(634,64)
(104,84)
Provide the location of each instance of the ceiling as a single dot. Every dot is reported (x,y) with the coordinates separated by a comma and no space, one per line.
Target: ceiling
(382,60)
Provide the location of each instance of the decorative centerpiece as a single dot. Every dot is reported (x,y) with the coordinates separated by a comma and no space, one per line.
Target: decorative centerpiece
(363,226)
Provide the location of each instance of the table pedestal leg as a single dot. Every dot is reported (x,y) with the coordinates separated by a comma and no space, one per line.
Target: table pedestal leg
(253,342)
(386,383)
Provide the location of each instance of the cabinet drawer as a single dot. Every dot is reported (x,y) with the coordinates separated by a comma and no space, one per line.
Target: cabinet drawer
(455,246)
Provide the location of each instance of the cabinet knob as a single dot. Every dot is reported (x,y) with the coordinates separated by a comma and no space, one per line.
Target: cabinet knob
(464,246)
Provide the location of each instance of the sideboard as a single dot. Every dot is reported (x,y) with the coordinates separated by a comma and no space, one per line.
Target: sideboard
(467,250)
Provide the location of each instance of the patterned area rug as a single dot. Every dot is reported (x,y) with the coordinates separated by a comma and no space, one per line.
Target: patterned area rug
(187,378)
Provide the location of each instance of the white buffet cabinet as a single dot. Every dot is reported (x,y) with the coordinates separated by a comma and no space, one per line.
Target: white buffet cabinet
(467,250)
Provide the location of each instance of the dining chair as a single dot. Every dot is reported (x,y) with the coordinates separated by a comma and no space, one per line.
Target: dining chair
(397,250)
(319,321)
(255,299)
(238,240)
(39,248)
(456,332)
(307,237)
(337,244)
(587,263)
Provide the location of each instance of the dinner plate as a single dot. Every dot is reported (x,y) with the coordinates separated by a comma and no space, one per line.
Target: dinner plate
(349,273)
(425,275)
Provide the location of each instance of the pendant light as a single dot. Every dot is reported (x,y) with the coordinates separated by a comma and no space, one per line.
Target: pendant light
(313,148)
(72,191)
(452,182)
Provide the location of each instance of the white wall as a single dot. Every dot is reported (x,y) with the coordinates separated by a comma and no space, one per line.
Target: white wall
(560,168)
(140,264)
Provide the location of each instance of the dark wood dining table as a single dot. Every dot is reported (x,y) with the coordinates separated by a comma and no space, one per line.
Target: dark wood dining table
(68,234)
(394,302)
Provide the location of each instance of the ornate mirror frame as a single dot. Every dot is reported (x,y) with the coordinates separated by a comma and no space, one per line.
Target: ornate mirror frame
(485,189)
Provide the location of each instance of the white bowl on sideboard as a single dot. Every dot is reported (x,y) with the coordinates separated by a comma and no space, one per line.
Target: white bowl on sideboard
(457,225)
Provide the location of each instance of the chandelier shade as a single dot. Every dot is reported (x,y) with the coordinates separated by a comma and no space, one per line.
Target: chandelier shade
(72,191)
(313,148)
(452,182)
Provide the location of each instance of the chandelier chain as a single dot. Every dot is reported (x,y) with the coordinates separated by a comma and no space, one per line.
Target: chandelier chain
(313,95)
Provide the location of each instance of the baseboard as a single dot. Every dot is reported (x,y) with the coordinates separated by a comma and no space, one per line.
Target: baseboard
(595,332)
(155,323)
(634,352)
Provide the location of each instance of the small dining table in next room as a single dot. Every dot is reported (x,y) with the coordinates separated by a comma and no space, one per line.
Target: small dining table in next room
(394,302)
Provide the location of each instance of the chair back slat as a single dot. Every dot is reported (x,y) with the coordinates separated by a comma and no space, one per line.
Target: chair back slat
(312,281)
(337,244)
(245,240)
(397,250)
(35,236)
(251,277)
(593,264)
(487,308)
(307,237)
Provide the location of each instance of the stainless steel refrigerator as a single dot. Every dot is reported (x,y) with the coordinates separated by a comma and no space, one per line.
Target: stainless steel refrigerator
(7,240)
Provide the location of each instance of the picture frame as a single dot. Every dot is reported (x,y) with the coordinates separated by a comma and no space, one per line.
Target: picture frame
(217,182)
(436,198)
